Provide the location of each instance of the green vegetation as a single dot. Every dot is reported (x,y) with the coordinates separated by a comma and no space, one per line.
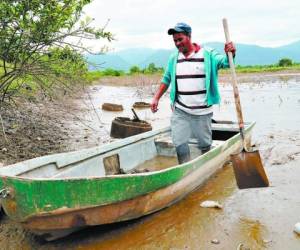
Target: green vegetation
(283,64)
(151,69)
(95,75)
(39,47)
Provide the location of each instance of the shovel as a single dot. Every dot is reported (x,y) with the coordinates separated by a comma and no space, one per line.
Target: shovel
(247,165)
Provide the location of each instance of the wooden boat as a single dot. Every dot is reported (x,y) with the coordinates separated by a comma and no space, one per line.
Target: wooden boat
(122,127)
(56,194)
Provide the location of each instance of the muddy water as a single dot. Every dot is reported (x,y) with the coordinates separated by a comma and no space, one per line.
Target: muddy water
(273,105)
(183,226)
(157,163)
(250,219)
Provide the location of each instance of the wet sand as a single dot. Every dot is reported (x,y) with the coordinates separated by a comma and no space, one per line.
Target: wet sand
(250,219)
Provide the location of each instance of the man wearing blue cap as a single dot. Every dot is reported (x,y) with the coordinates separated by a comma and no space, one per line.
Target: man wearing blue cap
(192,73)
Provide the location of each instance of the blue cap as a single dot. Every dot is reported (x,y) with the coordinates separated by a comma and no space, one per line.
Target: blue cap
(180,28)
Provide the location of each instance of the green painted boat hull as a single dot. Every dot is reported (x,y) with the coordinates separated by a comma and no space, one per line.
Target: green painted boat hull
(33,198)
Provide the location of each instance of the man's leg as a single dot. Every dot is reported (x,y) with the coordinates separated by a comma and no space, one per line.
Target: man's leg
(183,153)
(201,127)
(181,132)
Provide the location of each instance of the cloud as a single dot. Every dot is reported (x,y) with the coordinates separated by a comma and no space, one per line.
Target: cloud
(143,23)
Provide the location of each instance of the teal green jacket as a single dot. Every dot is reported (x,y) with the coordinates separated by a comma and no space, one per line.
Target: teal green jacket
(213,61)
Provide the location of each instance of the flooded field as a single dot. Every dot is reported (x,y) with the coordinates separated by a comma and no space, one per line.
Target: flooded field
(250,219)
(272,104)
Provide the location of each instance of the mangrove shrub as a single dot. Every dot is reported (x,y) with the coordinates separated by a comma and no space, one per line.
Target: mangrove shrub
(40,44)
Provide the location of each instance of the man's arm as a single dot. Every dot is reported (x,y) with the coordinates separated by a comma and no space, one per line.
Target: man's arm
(165,82)
(161,90)
(222,60)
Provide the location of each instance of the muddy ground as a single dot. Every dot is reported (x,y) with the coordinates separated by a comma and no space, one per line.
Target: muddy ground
(34,129)
(31,129)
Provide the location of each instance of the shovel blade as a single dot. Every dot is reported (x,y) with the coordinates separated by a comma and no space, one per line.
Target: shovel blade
(248,170)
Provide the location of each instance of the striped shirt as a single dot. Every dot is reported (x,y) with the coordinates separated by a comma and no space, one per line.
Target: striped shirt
(190,80)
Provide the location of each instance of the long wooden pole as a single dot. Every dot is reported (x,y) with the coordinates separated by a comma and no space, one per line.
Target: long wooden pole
(234,83)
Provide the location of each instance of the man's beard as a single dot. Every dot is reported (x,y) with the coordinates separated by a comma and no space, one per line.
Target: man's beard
(182,49)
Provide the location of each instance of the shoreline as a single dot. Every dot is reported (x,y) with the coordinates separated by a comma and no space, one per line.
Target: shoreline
(141,80)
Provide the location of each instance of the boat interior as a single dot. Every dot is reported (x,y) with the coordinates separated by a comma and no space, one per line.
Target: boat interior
(142,153)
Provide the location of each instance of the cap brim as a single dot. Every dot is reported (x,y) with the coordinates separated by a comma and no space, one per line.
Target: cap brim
(171,31)
(175,30)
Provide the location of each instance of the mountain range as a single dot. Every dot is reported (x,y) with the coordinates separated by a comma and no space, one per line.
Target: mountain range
(247,54)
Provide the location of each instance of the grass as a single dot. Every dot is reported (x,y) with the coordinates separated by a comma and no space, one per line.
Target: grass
(264,68)
(93,75)
(121,79)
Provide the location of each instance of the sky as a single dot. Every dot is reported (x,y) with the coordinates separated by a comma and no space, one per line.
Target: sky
(144,23)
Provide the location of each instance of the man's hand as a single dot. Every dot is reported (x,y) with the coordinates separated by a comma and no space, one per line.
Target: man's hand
(154,105)
(229,47)
(161,90)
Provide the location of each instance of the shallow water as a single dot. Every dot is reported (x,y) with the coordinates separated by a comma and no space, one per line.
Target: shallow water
(256,218)
(158,162)
(250,219)
(272,105)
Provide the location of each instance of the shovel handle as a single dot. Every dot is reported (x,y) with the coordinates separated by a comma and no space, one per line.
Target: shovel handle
(234,82)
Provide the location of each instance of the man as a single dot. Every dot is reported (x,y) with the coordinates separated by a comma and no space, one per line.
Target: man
(192,72)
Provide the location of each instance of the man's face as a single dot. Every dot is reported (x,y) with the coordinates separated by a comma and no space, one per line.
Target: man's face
(181,42)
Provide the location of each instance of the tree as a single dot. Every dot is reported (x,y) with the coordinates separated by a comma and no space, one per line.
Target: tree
(284,62)
(38,38)
(151,68)
(134,70)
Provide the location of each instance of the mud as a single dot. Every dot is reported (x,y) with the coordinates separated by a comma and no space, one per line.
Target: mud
(31,129)
(250,219)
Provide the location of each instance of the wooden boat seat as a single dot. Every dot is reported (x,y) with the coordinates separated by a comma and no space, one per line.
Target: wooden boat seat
(112,164)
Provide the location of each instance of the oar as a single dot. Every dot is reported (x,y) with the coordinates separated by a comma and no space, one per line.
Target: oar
(248,169)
